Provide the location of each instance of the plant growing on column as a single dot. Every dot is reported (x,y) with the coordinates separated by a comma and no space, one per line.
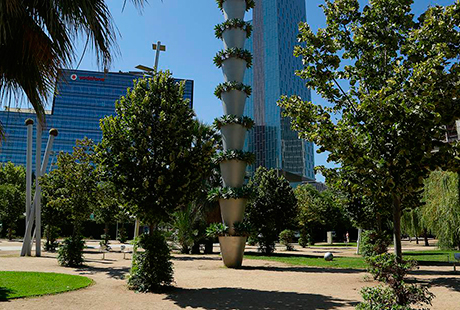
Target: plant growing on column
(233,60)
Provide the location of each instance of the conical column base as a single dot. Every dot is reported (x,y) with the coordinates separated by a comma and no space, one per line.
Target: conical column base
(232,250)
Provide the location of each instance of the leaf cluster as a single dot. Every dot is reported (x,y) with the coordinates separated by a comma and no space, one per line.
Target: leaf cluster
(245,121)
(215,230)
(245,192)
(247,157)
(249,4)
(233,52)
(233,23)
(228,86)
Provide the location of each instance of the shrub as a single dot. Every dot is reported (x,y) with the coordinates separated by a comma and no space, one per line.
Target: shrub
(233,52)
(374,243)
(70,253)
(122,237)
(286,237)
(233,23)
(248,157)
(397,295)
(245,121)
(152,269)
(228,86)
(249,4)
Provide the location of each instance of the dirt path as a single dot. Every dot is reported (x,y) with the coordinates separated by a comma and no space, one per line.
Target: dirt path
(203,283)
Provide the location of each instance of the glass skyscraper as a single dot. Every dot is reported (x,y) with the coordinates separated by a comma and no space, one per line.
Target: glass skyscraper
(275,24)
(82,99)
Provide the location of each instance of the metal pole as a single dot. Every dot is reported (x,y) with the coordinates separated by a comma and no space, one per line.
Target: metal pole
(38,155)
(49,146)
(27,243)
(27,237)
(157,57)
(30,128)
(136,228)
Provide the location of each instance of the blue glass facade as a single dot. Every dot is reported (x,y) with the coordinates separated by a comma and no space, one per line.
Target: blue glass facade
(82,99)
(275,25)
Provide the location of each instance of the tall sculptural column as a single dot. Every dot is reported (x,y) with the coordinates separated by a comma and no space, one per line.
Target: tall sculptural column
(233,60)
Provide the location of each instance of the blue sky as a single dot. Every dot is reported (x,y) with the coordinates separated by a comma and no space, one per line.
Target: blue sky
(187,29)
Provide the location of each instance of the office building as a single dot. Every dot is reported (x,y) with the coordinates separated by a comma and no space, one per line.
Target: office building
(275,24)
(82,99)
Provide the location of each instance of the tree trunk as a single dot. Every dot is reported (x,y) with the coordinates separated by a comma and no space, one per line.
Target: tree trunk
(10,233)
(416,239)
(425,236)
(208,247)
(397,227)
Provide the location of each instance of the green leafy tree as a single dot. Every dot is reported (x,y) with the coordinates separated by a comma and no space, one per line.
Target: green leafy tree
(71,189)
(37,38)
(12,196)
(394,80)
(441,211)
(273,209)
(154,151)
(108,207)
(311,213)
(319,212)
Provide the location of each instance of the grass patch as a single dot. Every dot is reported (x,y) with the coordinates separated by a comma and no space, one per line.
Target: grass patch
(312,261)
(433,256)
(15,284)
(426,258)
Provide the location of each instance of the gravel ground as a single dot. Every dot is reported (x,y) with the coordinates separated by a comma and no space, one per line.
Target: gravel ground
(203,283)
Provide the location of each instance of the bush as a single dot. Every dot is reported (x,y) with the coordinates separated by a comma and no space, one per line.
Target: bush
(122,237)
(397,295)
(286,237)
(70,253)
(374,243)
(152,269)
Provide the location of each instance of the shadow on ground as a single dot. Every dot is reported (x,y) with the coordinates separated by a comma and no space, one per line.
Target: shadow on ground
(118,273)
(4,292)
(238,298)
(451,283)
(192,258)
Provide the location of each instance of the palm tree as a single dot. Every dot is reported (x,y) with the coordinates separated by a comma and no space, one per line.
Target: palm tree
(38,37)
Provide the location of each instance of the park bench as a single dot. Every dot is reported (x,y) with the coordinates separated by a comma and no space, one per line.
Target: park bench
(103,248)
(125,251)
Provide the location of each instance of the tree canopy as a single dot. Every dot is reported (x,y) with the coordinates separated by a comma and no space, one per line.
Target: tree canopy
(393,81)
(153,150)
(71,188)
